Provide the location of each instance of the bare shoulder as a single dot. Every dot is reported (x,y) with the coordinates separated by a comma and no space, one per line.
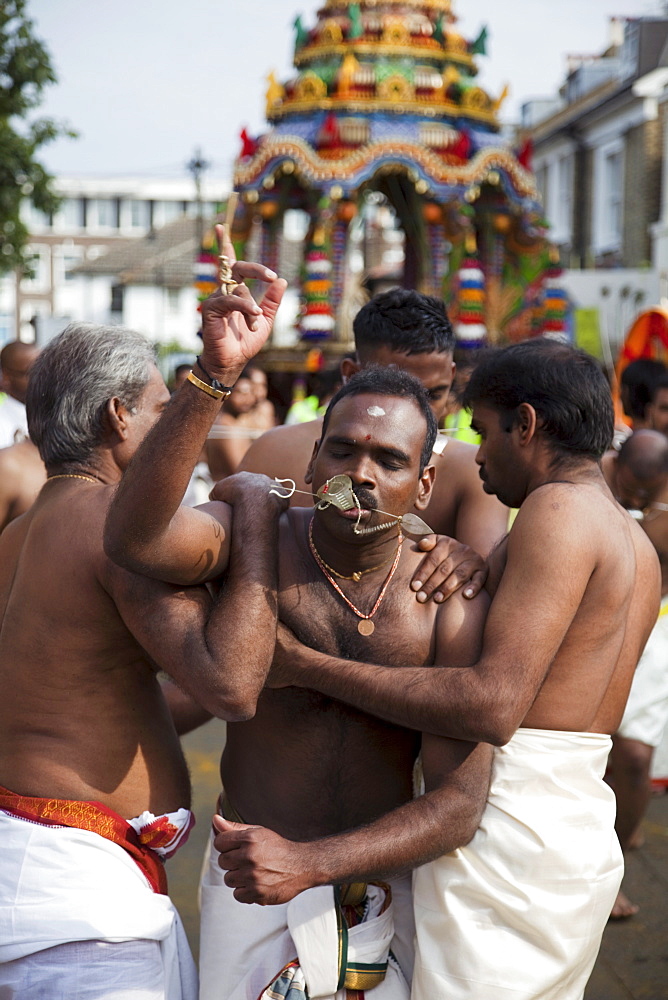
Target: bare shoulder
(11,461)
(460,624)
(646,551)
(459,612)
(12,537)
(283,440)
(458,458)
(559,500)
(283,451)
(577,521)
(225,419)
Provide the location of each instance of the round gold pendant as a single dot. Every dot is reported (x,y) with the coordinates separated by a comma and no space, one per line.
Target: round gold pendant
(366,627)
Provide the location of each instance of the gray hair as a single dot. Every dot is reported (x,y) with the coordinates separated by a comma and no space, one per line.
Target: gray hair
(72,381)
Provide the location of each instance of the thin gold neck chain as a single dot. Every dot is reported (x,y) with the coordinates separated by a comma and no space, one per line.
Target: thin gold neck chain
(365,626)
(72,475)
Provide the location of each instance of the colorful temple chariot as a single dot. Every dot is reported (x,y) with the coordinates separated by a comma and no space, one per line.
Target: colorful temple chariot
(385,113)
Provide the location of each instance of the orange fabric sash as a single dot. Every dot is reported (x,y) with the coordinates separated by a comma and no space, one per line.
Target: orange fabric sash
(94,817)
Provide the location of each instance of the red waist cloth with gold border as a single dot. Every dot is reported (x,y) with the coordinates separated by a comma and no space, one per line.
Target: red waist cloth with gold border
(94,817)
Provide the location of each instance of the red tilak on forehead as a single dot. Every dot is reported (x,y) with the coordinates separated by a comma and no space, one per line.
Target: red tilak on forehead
(368,437)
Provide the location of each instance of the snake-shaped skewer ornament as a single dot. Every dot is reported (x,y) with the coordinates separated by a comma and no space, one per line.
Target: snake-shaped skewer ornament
(338,492)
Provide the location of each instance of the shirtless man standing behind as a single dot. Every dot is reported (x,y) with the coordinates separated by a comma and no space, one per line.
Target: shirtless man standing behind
(576,588)
(86,737)
(412,332)
(231,436)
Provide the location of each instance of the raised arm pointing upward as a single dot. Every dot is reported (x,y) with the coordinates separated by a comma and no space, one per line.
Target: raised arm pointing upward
(234,328)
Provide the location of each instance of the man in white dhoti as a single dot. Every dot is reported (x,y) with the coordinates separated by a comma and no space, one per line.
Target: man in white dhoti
(95,790)
(638,477)
(518,912)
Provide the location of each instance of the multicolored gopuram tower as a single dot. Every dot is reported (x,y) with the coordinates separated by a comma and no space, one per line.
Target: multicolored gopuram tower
(385,100)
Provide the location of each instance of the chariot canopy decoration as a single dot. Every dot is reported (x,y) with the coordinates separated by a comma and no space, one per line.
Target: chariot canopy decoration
(386,143)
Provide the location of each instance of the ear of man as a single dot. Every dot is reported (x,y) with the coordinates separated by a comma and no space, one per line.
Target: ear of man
(527,423)
(348,368)
(116,414)
(425,488)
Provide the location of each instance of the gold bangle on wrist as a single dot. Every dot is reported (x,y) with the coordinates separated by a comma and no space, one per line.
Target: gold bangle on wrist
(208,389)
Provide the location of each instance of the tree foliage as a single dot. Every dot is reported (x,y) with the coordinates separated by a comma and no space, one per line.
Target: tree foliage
(25,70)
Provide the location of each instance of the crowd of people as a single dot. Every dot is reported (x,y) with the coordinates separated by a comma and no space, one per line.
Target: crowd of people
(427,713)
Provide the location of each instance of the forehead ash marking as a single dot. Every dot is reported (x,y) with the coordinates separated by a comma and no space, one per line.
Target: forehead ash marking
(375,411)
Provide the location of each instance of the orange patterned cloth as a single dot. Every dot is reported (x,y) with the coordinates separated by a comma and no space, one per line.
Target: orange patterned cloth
(93,817)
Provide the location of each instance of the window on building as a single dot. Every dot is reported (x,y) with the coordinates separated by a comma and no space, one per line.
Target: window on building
(171,210)
(563,210)
(613,196)
(165,212)
(117,292)
(66,258)
(70,214)
(102,213)
(608,198)
(542,181)
(6,328)
(35,220)
(630,50)
(138,214)
(39,259)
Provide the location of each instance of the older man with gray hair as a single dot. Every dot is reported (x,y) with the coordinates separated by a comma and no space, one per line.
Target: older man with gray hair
(95,790)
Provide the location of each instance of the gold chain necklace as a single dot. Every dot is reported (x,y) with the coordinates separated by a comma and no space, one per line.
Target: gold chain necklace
(72,475)
(358,574)
(365,626)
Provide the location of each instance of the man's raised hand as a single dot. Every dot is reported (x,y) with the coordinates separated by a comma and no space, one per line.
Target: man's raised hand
(235,326)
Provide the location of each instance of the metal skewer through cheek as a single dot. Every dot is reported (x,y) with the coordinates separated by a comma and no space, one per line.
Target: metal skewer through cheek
(338,492)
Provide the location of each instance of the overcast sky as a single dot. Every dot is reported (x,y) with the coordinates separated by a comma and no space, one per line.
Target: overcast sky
(145,83)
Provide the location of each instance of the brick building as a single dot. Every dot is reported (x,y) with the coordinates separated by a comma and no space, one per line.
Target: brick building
(598,148)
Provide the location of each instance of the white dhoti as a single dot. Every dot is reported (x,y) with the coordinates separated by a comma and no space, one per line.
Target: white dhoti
(646,711)
(518,913)
(78,917)
(244,949)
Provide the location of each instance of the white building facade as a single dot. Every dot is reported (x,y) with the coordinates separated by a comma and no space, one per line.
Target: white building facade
(97,216)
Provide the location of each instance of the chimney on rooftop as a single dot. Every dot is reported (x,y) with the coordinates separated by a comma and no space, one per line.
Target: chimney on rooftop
(616,31)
